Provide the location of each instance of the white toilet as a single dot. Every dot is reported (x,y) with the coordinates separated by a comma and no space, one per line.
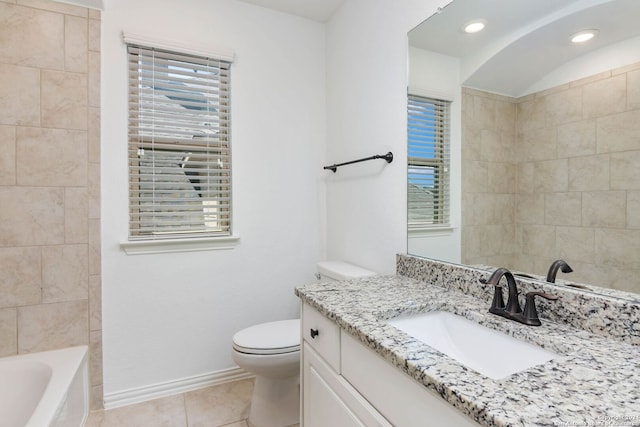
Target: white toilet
(271,351)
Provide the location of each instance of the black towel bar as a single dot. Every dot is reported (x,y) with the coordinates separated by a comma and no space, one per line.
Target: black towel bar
(388,157)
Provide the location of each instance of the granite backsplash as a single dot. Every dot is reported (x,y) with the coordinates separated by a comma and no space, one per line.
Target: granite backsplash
(602,314)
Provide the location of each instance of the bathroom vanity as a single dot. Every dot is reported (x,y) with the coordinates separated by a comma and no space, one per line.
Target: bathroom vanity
(346,384)
(359,370)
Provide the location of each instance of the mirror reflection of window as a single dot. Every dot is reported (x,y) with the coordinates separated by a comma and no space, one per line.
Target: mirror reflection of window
(428,162)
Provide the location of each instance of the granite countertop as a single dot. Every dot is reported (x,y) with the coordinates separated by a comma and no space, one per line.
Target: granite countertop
(595,381)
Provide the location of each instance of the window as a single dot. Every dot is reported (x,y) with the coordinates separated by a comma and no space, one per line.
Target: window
(179,145)
(428,162)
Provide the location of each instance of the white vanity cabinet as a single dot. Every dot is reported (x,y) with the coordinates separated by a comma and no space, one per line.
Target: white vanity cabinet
(327,398)
(346,384)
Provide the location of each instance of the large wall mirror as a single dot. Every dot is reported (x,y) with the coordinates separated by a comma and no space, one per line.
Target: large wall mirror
(544,136)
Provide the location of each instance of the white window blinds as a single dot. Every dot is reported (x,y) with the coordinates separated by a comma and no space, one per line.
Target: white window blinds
(428,162)
(179,145)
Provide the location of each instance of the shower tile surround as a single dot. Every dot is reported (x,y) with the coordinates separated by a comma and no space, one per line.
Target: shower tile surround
(50,180)
(593,335)
(554,175)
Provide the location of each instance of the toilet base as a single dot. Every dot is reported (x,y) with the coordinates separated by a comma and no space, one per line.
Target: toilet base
(275,402)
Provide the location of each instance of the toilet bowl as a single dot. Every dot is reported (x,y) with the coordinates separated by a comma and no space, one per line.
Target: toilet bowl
(271,351)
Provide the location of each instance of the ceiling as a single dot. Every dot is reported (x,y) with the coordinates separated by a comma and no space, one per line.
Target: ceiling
(316,10)
(524,40)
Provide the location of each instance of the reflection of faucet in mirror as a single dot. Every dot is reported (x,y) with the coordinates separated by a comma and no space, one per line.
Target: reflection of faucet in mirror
(553,269)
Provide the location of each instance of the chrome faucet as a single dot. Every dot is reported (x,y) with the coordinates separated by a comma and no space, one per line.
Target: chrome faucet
(528,316)
(553,269)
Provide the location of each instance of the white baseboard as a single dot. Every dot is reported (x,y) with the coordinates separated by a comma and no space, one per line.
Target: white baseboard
(169,388)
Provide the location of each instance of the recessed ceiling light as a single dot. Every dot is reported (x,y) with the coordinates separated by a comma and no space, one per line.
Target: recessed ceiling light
(583,36)
(474,26)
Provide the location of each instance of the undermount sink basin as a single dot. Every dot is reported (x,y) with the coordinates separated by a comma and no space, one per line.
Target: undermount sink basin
(491,353)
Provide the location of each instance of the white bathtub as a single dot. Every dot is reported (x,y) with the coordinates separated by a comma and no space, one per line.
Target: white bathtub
(47,389)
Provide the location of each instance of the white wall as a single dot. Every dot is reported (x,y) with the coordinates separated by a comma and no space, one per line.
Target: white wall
(171,316)
(366,115)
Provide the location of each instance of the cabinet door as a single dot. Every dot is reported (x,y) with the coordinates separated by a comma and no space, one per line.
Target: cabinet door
(329,400)
(323,406)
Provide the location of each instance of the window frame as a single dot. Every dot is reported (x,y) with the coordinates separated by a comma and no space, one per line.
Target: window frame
(439,162)
(207,237)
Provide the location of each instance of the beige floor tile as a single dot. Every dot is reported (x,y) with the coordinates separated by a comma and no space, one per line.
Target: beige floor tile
(219,405)
(165,412)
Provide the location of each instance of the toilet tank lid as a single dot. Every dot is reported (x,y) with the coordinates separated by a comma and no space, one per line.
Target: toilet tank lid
(341,270)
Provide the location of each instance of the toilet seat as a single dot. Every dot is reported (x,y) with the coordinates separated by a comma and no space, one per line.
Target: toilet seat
(278,337)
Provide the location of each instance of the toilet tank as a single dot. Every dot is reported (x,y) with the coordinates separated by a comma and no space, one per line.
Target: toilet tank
(340,270)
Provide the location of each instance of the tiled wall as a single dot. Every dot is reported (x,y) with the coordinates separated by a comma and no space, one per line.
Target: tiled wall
(576,182)
(49,180)
(488,178)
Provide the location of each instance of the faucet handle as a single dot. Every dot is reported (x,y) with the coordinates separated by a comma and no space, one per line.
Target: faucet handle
(497,305)
(530,314)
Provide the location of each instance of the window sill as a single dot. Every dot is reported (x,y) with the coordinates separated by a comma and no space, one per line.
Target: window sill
(141,247)
(430,231)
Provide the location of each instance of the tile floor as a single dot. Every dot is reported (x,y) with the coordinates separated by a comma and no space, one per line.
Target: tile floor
(222,405)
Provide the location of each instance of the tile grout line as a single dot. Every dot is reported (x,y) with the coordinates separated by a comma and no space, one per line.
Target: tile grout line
(184,406)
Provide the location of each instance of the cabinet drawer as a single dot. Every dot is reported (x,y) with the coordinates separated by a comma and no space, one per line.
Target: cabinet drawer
(322,335)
